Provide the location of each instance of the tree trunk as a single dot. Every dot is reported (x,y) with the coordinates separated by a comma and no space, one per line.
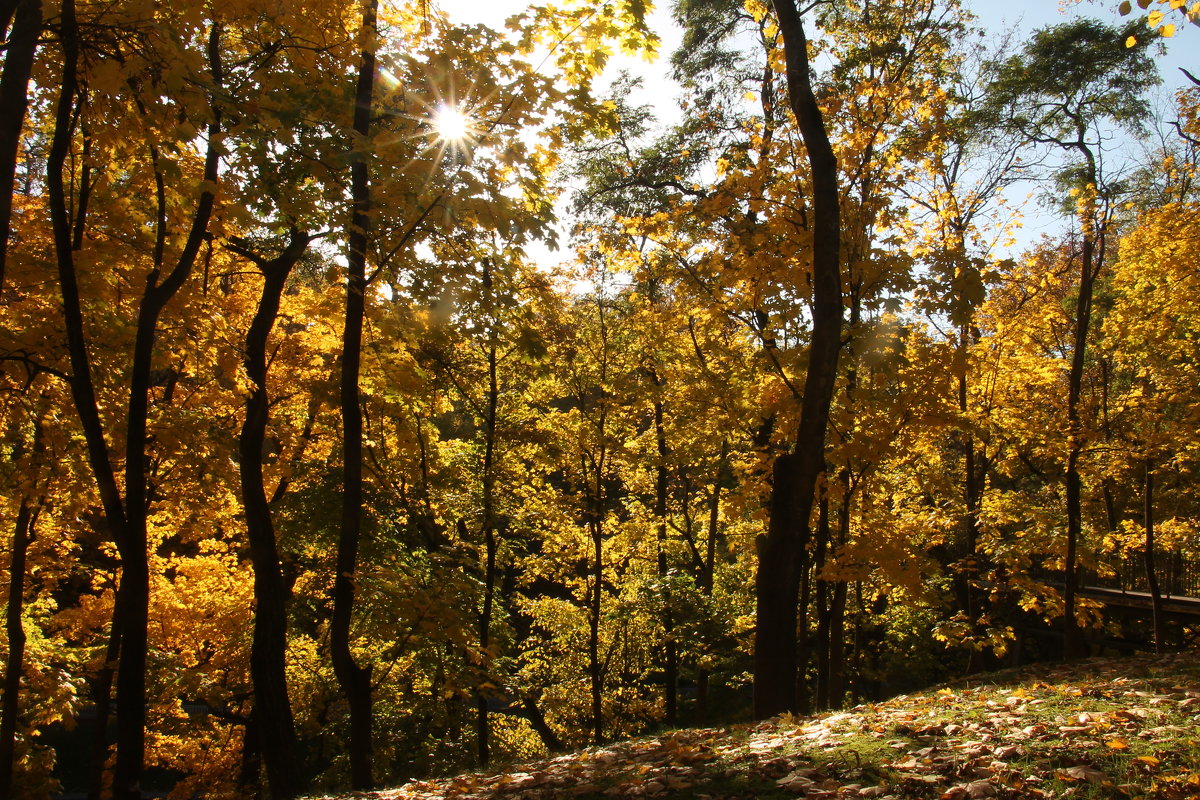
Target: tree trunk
(595,675)
(1089,267)
(355,680)
(775,673)
(593,469)
(273,725)
(670,650)
(1156,600)
(823,615)
(707,576)
(250,768)
(126,519)
(15,664)
(101,687)
(21,43)
(837,615)
(804,699)
(489,526)
(777,585)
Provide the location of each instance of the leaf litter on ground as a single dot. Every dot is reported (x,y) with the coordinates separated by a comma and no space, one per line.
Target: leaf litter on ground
(1124,728)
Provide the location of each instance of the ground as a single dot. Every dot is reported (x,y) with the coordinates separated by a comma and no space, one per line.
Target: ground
(1113,728)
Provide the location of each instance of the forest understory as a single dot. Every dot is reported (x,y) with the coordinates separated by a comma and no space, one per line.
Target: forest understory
(1111,728)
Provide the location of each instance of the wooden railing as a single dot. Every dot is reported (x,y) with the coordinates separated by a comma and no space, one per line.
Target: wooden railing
(1177,576)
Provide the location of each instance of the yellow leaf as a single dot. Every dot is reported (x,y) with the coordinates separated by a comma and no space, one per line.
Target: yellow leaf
(1155,17)
(1117,744)
(1168,30)
(1131,41)
(1151,760)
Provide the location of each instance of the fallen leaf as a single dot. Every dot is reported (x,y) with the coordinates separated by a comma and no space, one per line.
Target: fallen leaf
(1007,752)
(795,783)
(1080,774)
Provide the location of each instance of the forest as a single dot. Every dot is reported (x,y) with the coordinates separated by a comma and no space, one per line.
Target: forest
(384,395)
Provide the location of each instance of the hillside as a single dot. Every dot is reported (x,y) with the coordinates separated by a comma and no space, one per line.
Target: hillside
(1112,728)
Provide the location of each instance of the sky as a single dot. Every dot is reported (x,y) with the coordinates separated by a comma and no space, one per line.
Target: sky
(993,18)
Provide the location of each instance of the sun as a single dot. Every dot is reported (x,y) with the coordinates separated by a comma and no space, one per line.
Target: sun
(451,124)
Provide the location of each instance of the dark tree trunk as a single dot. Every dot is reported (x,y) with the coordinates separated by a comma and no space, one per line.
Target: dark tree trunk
(775,672)
(483,729)
(14,666)
(708,574)
(1090,264)
(250,769)
(595,671)
(21,43)
(804,695)
(969,573)
(537,721)
(593,467)
(837,615)
(670,649)
(823,616)
(126,520)
(274,727)
(355,680)
(101,687)
(1156,600)
(777,581)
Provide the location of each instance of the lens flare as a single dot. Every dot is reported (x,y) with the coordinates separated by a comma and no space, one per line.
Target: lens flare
(451,124)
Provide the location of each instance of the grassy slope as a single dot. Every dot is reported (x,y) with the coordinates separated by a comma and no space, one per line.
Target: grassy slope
(1127,728)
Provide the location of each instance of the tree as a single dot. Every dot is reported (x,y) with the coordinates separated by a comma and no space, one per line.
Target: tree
(21,24)
(795,475)
(1068,81)
(125,514)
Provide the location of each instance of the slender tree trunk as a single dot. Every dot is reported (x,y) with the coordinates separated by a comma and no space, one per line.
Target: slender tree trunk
(537,721)
(595,607)
(971,568)
(970,485)
(273,726)
(779,550)
(1107,483)
(355,680)
(670,649)
(594,468)
(1156,600)
(82,389)
(837,615)
(21,43)
(101,687)
(14,666)
(1089,267)
(804,694)
(133,593)
(483,729)
(707,577)
(823,616)
(1072,646)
